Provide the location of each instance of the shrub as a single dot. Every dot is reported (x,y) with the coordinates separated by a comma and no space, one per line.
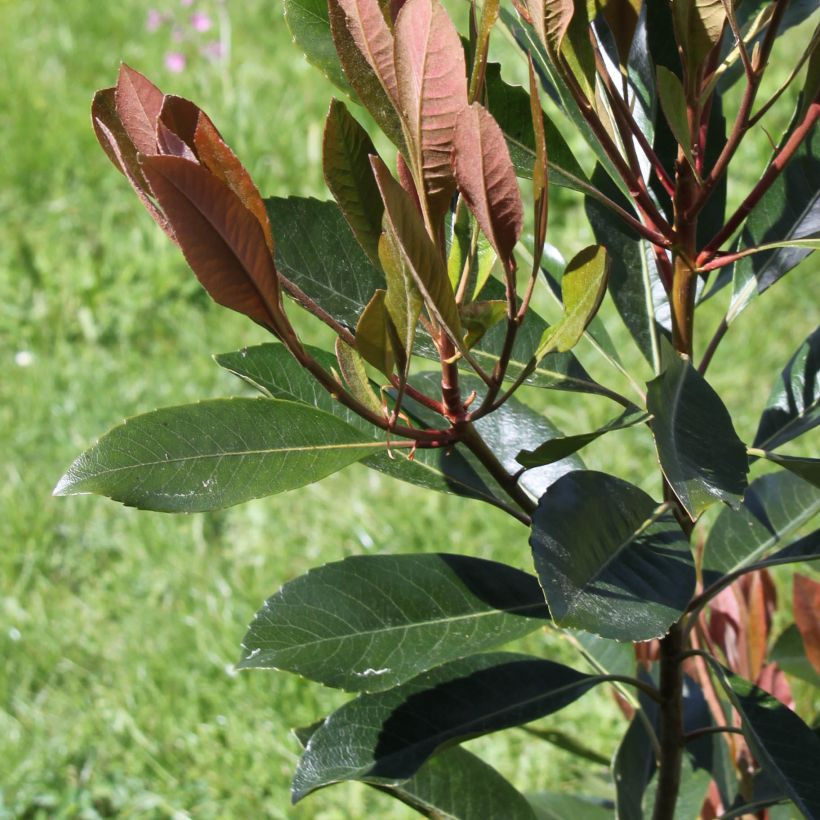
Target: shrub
(419,262)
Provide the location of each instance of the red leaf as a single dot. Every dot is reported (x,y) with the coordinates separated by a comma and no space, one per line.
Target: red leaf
(486,177)
(806,603)
(432,87)
(138,102)
(364,44)
(120,150)
(221,239)
(406,180)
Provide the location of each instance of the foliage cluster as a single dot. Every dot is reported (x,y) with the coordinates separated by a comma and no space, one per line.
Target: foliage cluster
(423,264)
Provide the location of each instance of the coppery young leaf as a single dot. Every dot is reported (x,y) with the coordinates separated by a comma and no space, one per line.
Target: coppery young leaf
(346,148)
(486,177)
(364,44)
(698,28)
(403,300)
(221,239)
(138,102)
(432,89)
(120,150)
(215,154)
(806,603)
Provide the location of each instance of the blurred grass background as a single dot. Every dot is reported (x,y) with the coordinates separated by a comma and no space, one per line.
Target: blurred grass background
(119,629)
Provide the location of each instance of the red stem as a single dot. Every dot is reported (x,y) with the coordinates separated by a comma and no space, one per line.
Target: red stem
(776,166)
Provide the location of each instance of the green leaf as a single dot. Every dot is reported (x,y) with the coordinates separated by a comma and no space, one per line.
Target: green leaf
(634,284)
(453,784)
(807,468)
(478,317)
(549,806)
(583,287)
(789,654)
(386,737)
(786,748)
(632,767)
(700,453)
(316,250)
(698,28)
(604,552)
(469,248)
(346,147)
(456,784)
(694,785)
(418,253)
(510,106)
(372,622)
(271,369)
(673,103)
(563,446)
(373,338)
(793,407)
(309,26)
(354,373)
(402,300)
(215,454)
(774,507)
(790,209)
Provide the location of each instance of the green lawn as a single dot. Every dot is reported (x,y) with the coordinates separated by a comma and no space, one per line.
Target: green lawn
(119,629)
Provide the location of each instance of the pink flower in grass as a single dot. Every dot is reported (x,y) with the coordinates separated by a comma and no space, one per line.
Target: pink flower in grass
(175,62)
(154,20)
(213,51)
(200,21)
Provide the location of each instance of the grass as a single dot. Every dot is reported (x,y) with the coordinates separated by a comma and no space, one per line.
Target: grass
(119,629)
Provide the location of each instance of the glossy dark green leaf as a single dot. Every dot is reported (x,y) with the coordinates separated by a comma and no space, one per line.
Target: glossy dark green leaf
(562,446)
(774,507)
(346,147)
(510,106)
(793,407)
(786,748)
(790,209)
(700,453)
(456,784)
(316,250)
(453,784)
(271,369)
(554,806)
(309,26)
(215,454)
(386,737)
(807,468)
(507,430)
(372,622)
(605,552)
(633,278)
(632,769)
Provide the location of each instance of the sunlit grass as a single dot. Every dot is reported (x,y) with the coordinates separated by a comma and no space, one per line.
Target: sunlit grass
(118,629)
